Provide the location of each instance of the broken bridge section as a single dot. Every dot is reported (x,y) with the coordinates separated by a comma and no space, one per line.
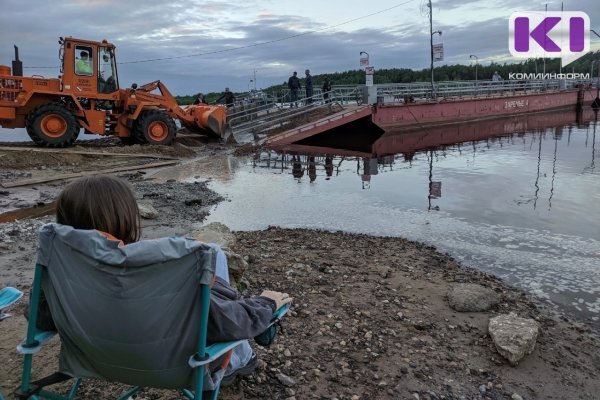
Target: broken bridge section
(352,123)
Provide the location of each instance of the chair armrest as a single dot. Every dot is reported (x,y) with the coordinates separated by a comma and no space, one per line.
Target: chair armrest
(281,311)
(213,352)
(40,339)
(216,350)
(8,296)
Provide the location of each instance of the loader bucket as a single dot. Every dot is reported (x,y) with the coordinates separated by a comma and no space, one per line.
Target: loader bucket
(207,119)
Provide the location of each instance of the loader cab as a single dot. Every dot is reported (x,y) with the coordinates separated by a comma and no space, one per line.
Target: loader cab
(89,68)
(108,81)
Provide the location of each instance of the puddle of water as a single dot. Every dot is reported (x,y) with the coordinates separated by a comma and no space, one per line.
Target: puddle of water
(26,213)
(220,167)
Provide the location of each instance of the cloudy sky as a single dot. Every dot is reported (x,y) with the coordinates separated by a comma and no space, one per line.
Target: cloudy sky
(205,45)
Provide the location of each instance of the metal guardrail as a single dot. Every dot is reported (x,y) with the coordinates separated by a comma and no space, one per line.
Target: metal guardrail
(460,89)
(273,115)
(452,89)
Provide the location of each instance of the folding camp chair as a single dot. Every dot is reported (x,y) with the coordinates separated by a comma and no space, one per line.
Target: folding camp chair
(134,314)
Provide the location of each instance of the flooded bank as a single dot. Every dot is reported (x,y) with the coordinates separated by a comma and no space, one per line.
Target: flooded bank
(519,205)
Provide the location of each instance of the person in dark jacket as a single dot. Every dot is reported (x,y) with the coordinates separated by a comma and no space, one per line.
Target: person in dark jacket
(326,89)
(294,86)
(228,97)
(309,87)
(107,204)
(199,99)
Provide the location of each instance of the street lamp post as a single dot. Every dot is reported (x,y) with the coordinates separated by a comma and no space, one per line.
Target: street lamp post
(431,44)
(476,64)
(364,58)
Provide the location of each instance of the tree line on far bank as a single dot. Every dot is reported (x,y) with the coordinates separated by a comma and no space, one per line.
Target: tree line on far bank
(457,72)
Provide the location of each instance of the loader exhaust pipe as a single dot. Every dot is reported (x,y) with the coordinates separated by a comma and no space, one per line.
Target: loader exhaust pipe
(17,65)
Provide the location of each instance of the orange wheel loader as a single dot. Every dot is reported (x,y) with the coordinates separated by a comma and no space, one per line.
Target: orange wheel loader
(87,95)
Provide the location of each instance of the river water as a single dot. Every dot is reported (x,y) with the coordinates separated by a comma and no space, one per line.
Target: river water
(13,135)
(521,200)
(20,135)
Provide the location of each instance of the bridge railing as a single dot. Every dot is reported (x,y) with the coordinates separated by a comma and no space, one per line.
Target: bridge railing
(348,94)
(460,89)
(267,117)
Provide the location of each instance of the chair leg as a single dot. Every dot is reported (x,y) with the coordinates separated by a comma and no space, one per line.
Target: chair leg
(26,376)
(31,331)
(29,389)
(213,395)
(206,395)
(130,393)
(74,388)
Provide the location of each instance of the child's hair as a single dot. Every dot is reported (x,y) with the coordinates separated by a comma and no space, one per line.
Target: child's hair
(105,203)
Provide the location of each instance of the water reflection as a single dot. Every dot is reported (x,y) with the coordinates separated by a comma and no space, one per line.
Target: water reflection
(513,198)
(307,168)
(400,149)
(435,187)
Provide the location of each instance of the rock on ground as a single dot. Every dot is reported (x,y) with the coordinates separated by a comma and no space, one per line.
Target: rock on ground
(470,297)
(513,337)
(147,211)
(220,234)
(215,232)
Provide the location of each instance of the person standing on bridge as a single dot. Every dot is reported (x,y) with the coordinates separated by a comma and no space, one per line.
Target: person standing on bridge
(309,87)
(326,89)
(496,77)
(200,99)
(228,97)
(294,86)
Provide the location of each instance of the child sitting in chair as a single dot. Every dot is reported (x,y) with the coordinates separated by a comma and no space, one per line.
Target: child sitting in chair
(107,204)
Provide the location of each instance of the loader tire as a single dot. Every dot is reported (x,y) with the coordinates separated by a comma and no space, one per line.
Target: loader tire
(155,127)
(52,125)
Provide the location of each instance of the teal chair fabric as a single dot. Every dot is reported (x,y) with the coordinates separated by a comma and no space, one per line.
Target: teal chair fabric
(135,314)
(8,296)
